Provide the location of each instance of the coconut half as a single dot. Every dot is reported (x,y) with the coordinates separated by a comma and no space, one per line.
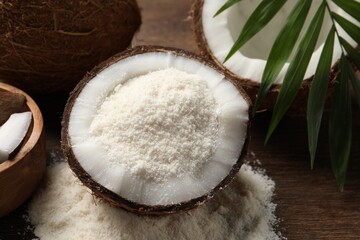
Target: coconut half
(216,35)
(118,185)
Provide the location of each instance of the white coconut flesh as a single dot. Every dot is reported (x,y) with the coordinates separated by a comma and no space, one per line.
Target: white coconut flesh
(249,62)
(231,116)
(12,133)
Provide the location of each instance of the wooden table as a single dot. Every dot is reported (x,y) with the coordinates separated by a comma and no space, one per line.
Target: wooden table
(309,203)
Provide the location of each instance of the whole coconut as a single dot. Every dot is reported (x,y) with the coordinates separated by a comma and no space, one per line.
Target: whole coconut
(48,45)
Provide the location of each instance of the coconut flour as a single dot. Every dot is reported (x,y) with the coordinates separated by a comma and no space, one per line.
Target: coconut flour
(64,210)
(160,124)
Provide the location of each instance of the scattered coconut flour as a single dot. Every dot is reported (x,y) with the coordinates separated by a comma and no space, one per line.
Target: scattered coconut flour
(64,210)
(158,125)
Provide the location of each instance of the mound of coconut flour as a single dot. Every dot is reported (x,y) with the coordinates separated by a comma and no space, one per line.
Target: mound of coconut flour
(168,111)
(64,209)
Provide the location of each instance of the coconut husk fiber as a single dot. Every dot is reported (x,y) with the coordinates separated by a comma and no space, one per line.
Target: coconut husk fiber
(48,45)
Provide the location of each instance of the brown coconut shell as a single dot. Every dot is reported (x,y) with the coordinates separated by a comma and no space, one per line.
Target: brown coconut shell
(250,86)
(111,197)
(20,175)
(47,46)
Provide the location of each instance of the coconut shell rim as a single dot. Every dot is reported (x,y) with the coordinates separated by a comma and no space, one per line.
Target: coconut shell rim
(115,199)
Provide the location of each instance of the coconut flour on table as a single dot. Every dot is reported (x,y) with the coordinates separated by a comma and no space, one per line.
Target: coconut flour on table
(65,209)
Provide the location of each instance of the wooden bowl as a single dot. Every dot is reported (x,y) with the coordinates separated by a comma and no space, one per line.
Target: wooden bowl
(20,175)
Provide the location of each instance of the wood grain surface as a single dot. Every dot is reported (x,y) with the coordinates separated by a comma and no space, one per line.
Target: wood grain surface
(308,202)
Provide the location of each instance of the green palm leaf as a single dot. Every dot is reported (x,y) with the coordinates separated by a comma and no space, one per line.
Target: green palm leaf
(317,94)
(282,48)
(350,6)
(349,27)
(340,125)
(262,15)
(228,4)
(297,68)
(353,54)
(340,118)
(355,83)
(355,57)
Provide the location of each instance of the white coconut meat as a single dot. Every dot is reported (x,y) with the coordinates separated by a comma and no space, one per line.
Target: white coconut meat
(249,62)
(12,133)
(92,139)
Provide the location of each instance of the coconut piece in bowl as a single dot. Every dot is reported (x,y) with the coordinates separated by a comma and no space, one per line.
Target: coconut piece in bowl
(20,175)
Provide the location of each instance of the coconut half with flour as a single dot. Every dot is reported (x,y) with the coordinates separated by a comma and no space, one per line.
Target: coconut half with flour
(216,35)
(156,130)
